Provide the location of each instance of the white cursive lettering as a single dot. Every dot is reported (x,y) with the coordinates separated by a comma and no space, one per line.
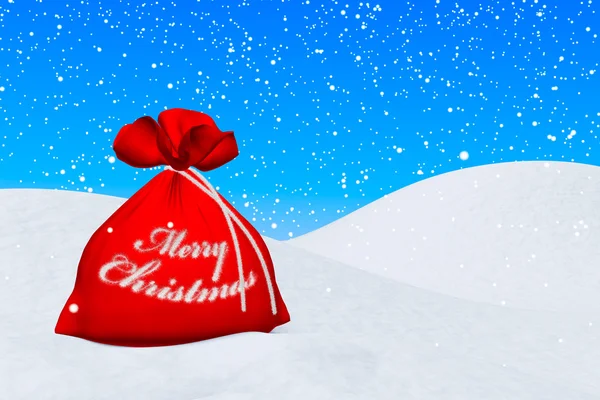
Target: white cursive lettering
(171,242)
(126,274)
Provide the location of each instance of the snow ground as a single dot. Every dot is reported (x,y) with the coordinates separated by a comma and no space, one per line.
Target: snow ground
(353,335)
(523,235)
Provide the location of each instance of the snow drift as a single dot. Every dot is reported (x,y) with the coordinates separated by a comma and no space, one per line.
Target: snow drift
(354,335)
(524,235)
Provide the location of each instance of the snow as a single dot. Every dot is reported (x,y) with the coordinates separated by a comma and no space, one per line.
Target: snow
(522,235)
(353,335)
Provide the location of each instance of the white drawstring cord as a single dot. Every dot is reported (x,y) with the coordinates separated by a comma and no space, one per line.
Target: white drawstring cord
(229,217)
(227,211)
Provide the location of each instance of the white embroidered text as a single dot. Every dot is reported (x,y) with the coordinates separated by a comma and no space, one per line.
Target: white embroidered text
(124,273)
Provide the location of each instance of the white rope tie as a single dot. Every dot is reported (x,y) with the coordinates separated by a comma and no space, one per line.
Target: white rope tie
(230,218)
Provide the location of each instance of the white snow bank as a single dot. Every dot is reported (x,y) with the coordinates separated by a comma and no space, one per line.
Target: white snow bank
(523,235)
(353,335)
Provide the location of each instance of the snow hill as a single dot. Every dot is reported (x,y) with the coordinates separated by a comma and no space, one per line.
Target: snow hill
(523,235)
(353,335)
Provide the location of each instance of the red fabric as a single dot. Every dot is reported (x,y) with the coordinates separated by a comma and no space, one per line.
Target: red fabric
(135,289)
(181,139)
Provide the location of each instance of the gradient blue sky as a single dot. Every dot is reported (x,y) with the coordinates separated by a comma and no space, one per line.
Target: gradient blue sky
(334,104)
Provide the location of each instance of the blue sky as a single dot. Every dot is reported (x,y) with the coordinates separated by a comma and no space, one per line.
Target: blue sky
(334,104)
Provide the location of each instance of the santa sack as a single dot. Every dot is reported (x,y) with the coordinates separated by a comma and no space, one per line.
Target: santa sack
(176,263)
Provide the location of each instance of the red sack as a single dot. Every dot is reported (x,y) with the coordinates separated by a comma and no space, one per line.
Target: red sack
(176,263)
